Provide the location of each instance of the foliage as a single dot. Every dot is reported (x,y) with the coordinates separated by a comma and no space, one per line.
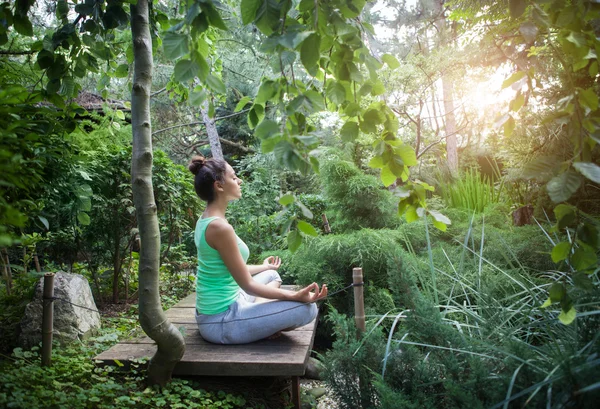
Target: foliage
(470,190)
(488,321)
(75,381)
(357,199)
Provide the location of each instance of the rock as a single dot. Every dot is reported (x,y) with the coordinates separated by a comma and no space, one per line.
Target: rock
(70,322)
(313,369)
(317,392)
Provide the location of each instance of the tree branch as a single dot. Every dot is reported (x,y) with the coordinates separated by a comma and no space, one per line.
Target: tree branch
(199,122)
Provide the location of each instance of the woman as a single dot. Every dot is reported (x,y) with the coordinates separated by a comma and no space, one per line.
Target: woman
(228,310)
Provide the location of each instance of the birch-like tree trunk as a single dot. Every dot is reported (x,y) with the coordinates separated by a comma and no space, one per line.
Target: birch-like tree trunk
(152,318)
(211,132)
(447,91)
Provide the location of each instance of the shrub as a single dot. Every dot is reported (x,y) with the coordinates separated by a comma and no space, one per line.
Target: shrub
(357,200)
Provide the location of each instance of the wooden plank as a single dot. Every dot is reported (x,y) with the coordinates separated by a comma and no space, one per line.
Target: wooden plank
(221,360)
(286,355)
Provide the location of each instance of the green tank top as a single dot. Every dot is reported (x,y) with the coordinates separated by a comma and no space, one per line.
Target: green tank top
(216,289)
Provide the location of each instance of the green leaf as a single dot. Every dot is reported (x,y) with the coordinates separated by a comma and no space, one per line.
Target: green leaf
(567,317)
(588,98)
(584,258)
(588,169)
(120,115)
(310,52)
(565,215)
(122,71)
(286,200)
(22,25)
(175,45)
(305,211)
(256,114)
(45,59)
(215,84)
(516,8)
(307,228)
(197,97)
(294,240)
(529,31)
(349,131)
(561,251)
(267,129)
(387,176)
(266,92)
(62,9)
(440,217)
(214,18)
(243,102)
(557,292)
(509,126)
(563,186)
(546,303)
(583,281)
(440,226)
(390,60)
(83,218)
(185,70)
(378,88)
(513,78)
(376,162)
(411,214)
(44,222)
(518,102)
(407,153)
(336,92)
(248,10)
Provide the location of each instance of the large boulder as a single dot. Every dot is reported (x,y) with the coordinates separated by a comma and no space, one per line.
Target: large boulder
(71,322)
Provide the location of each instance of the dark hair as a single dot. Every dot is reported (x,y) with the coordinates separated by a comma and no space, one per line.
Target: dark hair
(206,172)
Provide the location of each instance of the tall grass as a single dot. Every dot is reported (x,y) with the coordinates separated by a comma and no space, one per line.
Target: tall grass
(487,343)
(471,191)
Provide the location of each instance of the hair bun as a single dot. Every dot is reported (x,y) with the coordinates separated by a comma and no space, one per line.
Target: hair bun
(196,164)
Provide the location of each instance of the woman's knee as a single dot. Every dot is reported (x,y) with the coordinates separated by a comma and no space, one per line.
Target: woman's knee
(273,275)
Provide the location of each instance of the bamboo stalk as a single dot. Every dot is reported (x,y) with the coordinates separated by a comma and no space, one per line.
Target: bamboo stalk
(359,301)
(47,319)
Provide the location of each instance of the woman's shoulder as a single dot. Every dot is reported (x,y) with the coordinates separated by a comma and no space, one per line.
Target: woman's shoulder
(218,225)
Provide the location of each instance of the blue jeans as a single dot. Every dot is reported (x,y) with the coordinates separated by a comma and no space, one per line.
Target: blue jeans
(247,321)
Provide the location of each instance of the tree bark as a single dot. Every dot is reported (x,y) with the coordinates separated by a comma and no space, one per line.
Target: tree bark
(168,339)
(447,91)
(211,131)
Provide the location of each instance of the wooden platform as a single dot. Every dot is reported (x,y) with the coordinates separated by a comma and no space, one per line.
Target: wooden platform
(284,356)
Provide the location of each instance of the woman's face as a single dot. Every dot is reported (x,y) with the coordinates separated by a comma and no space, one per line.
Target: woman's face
(231,184)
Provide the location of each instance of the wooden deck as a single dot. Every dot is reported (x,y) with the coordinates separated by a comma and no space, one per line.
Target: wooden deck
(283,356)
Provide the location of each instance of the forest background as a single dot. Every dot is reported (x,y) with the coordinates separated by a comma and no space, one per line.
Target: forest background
(452,145)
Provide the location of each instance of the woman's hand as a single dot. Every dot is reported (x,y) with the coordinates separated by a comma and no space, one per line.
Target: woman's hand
(311,293)
(272,263)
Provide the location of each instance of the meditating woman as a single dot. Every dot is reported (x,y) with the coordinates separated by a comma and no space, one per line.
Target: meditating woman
(238,303)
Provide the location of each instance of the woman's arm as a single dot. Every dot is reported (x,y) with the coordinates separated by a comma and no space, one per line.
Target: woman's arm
(221,236)
(270,263)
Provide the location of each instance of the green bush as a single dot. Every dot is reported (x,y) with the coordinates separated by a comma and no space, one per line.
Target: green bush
(357,200)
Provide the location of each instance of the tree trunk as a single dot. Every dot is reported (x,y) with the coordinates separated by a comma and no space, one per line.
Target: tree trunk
(6,271)
(447,90)
(152,318)
(116,266)
(211,131)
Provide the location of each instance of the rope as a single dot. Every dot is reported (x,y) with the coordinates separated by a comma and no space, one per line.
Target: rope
(217,322)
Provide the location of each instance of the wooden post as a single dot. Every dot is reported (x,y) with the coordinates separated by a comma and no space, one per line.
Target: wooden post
(296,392)
(47,319)
(359,301)
(326,227)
